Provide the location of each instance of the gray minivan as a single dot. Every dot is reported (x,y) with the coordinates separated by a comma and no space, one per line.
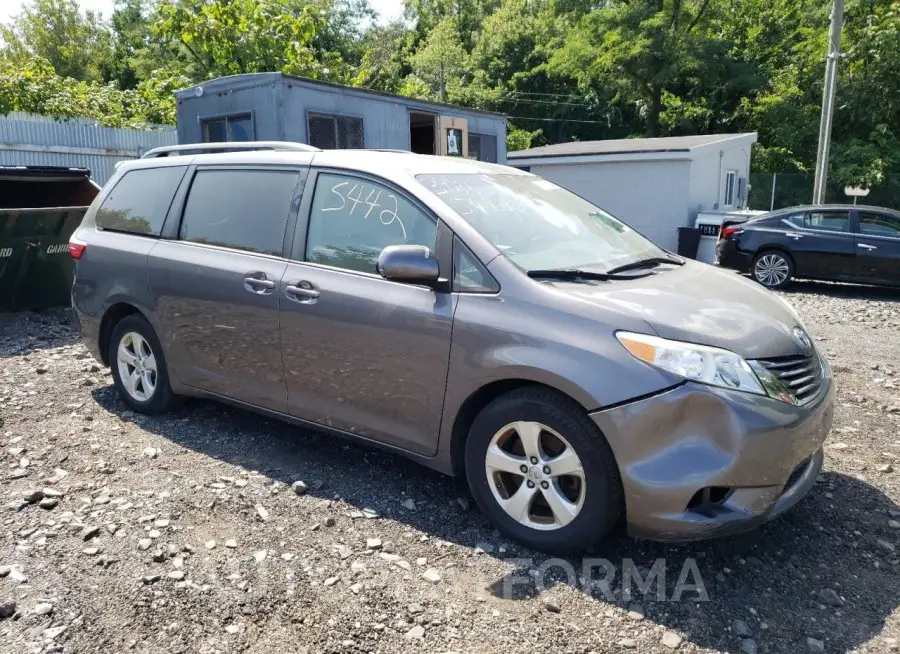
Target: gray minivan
(478,319)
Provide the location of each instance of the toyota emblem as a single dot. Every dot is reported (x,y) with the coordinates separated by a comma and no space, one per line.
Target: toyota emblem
(803,339)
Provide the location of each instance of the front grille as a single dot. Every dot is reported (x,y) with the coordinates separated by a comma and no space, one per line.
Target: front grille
(801,374)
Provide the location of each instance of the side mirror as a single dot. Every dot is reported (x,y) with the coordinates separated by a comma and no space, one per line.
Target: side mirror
(412,264)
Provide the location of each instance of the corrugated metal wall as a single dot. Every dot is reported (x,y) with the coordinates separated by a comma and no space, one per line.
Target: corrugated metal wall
(31,140)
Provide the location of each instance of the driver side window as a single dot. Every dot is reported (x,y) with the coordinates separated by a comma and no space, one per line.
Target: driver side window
(353,219)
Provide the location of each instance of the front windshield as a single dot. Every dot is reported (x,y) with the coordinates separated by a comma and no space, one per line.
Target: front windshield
(539,225)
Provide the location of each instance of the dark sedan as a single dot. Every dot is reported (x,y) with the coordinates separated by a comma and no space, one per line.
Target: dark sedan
(833,242)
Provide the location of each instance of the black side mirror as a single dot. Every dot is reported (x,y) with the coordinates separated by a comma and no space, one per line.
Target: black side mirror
(412,264)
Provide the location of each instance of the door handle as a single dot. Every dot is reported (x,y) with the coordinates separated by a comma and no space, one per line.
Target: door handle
(259,284)
(302,292)
(867,247)
(796,237)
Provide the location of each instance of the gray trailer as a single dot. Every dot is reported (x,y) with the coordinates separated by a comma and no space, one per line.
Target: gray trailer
(279,107)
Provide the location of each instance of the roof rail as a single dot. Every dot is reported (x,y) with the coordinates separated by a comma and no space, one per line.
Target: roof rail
(236,146)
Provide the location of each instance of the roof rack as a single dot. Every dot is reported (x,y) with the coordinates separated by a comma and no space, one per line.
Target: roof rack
(235,146)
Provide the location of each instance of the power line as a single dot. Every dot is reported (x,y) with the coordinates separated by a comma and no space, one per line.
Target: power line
(559,95)
(560,120)
(551,102)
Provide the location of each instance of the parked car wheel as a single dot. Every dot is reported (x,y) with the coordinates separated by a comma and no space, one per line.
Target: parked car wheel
(139,366)
(773,269)
(542,471)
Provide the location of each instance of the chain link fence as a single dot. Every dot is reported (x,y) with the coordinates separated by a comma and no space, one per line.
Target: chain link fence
(769,191)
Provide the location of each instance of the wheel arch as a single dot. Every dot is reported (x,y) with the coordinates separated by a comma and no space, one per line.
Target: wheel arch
(111,317)
(476,402)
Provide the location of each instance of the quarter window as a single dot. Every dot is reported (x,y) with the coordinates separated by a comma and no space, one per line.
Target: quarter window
(469,276)
(877,224)
(353,220)
(240,209)
(140,200)
(330,132)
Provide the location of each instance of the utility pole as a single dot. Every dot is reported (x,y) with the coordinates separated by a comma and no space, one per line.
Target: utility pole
(831,70)
(443,87)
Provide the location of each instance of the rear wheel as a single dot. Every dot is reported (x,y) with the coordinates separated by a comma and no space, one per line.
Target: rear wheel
(542,471)
(139,367)
(773,269)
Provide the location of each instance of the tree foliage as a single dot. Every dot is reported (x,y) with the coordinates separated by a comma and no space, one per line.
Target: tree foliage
(560,69)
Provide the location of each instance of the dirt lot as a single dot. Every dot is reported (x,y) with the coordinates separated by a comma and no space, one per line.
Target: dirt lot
(183,533)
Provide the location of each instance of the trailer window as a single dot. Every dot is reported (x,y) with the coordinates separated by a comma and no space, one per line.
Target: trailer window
(228,128)
(330,132)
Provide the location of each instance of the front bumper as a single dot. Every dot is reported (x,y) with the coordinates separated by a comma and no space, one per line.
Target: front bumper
(758,456)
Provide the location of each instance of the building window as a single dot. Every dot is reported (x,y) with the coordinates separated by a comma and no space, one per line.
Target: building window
(730,187)
(335,132)
(483,147)
(228,128)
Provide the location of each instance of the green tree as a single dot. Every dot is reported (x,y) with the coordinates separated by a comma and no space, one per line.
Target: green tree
(229,37)
(76,44)
(643,49)
(440,60)
(36,88)
(385,62)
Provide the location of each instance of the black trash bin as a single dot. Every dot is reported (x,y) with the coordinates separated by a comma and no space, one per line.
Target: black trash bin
(688,241)
(40,207)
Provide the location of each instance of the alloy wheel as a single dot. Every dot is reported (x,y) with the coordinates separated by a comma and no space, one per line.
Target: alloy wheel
(137,366)
(771,270)
(535,475)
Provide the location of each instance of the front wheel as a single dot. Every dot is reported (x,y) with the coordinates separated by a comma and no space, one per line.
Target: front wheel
(139,367)
(773,269)
(543,473)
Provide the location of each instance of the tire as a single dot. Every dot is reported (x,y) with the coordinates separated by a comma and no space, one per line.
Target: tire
(152,394)
(596,496)
(773,269)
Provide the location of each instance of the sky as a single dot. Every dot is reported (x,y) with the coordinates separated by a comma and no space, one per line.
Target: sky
(387,8)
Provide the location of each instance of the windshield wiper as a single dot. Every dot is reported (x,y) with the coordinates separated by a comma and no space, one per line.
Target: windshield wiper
(645,263)
(577,274)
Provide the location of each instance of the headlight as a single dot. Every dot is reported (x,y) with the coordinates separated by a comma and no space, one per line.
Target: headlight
(700,363)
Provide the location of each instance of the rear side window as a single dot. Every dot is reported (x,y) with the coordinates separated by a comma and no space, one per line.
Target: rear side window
(831,221)
(140,200)
(240,209)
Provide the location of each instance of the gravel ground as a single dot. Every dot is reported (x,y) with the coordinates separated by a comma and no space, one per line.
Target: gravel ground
(187,533)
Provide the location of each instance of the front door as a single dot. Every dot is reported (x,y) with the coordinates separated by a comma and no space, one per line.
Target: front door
(363,354)
(878,248)
(216,287)
(824,247)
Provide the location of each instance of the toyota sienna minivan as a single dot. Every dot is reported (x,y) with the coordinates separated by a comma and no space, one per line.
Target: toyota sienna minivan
(476,318)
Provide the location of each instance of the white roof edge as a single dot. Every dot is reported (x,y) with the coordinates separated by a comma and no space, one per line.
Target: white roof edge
(749,137)
(684,155)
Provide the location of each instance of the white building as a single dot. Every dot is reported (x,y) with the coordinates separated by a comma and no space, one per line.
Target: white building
(653,185)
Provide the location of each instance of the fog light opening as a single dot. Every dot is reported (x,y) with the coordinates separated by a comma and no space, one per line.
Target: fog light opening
(708,501)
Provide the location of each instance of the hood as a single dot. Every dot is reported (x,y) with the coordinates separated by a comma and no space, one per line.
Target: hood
(699,303)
